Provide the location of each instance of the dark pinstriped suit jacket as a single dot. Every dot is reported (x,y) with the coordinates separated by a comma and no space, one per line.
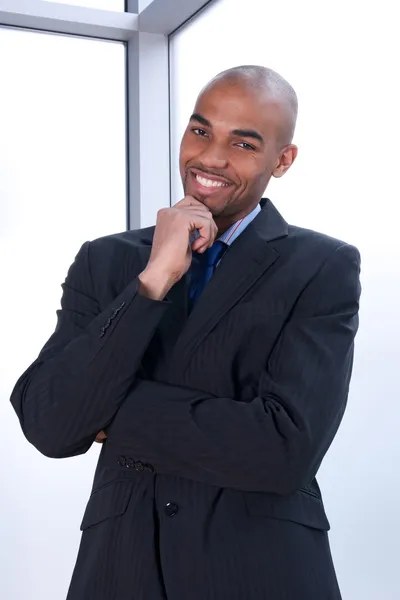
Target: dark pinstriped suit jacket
(217,422)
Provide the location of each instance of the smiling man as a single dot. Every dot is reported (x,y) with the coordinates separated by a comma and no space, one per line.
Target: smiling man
(212,355)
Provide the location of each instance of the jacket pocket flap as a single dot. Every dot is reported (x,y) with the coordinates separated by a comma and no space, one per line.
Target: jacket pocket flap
(109,501)
(301,507)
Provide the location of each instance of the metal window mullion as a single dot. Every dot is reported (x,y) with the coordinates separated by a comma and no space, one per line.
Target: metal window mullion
(166,16)
(148,128)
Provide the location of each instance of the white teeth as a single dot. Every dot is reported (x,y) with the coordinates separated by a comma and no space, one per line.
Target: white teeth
(209,183)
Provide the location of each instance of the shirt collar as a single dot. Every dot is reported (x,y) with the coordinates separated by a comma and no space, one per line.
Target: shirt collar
(230,235)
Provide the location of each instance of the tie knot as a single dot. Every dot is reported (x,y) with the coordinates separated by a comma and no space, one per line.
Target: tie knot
(214,254)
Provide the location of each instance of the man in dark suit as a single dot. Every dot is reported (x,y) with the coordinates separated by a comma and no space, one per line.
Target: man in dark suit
(213,354)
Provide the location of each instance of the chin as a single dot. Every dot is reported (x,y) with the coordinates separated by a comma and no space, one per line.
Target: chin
(213,206)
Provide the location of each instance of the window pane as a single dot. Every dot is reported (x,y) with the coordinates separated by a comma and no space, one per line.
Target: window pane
(117,5)
(62,181)
(344,184)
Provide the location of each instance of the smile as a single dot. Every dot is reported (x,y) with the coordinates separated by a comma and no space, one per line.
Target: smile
(210,183)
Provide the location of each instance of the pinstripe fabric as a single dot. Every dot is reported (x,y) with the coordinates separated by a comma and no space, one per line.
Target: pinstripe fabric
(217,423)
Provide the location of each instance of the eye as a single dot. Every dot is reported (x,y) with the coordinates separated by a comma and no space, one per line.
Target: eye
(199,131)
(246,146)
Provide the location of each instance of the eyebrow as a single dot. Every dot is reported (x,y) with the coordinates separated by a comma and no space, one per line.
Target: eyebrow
(248,133)
(200,119)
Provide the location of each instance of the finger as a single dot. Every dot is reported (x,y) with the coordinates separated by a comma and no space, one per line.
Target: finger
(203,227)
(201,246)
(195,213)
(201,208)
(190,201)
(101,437)
(207,233)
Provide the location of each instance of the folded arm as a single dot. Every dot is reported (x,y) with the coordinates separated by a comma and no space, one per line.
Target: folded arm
(86,368)
(276,442)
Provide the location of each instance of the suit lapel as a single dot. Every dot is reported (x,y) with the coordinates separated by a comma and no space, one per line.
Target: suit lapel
(247,259)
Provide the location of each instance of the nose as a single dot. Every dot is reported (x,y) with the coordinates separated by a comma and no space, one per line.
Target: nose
(214,158)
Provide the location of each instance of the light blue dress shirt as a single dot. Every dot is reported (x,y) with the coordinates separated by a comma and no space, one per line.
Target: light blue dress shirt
(230,235)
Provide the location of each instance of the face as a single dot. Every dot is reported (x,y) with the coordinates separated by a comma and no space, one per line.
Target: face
(231,148)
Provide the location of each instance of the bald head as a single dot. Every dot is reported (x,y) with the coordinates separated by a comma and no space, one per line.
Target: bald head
(268,83)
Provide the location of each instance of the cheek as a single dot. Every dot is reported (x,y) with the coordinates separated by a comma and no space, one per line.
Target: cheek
(261,173)
(184,150)
(250,172)
(193,147)
(261,179)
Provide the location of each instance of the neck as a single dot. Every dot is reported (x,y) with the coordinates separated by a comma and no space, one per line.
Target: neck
(223,222)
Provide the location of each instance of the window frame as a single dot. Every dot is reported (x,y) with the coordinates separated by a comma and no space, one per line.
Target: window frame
(146,35)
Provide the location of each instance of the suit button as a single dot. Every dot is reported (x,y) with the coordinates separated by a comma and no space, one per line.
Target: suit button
(139,466)
(149,467)
(171,509)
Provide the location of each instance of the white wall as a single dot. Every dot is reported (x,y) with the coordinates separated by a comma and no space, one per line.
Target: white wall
(342,59)
(144,3)
(62,181)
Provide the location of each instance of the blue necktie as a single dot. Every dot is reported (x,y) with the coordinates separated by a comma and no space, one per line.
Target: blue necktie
(202,270)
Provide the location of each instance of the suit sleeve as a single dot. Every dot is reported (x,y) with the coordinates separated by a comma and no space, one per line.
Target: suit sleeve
(84,371)
(276,442)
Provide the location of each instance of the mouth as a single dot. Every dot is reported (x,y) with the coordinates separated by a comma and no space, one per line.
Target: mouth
(205,183)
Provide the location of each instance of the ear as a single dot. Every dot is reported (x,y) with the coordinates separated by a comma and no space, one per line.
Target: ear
(286,159)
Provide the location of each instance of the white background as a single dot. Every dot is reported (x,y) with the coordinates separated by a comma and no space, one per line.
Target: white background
(342,59)
(62,181)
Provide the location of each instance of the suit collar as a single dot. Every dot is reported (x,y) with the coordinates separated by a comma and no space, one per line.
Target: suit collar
(269,224)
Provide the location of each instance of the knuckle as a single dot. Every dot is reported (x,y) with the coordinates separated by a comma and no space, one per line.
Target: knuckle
(161,212)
